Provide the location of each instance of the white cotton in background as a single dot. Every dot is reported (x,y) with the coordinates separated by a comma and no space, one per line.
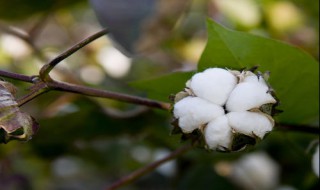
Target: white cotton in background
(256,171)
(168,169)
(244,13)
(114,62)
(193,112)
(250,123)
(141,153)
(92,74)
(218,133)
(14,46)
(248,95)
(315,161)
(65,167)
(213,84)
(285,187)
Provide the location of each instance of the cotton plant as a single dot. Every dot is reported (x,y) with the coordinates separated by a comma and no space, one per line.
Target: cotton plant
(227,109)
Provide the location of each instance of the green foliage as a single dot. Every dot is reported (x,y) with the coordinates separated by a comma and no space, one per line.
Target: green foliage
(202,177)
(294,74)
(162,87)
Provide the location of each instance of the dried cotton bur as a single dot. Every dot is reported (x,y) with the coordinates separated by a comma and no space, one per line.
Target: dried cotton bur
(14,124)
(225,110)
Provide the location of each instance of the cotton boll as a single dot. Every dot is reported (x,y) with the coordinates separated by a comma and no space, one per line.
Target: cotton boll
(250,123)
(315,161)
(218,133)
(193,112)
(231,108)
(248,95)
(213,84)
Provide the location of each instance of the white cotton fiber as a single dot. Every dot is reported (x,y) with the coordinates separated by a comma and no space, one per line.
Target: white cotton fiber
(248,95)
(193,112)
(218,133)
(251,77)
(213,84)
(250,123)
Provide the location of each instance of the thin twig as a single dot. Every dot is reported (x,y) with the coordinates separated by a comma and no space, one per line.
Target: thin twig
(16,76)
(35,91)
(38,26)
(66,87)
(41,87)
(148,168)
(15,32)
(45,70)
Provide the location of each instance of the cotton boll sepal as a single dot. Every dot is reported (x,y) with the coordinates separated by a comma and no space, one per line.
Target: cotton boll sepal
(241,141)
(196,137)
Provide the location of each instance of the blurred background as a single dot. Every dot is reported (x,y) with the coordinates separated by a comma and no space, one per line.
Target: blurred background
(88,143)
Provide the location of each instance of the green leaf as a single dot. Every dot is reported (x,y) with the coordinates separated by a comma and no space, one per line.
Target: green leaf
(202,177)
(162,87)
(294,73)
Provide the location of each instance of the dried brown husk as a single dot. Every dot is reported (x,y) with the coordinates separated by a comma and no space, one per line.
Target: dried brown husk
(14,124)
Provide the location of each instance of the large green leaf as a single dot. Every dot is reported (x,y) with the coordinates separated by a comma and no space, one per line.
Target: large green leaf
(162,87)
(294,74)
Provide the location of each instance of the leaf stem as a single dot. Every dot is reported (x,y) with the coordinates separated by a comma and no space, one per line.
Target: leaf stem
(148,168)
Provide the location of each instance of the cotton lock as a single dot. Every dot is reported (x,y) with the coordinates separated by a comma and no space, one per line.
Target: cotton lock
(225,106)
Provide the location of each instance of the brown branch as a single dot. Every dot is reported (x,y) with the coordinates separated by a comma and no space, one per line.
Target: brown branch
(15,32)
(40,87)
(66,87)
(35,30)
(148,168)
(45,70)
(16,76)
(36,90)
